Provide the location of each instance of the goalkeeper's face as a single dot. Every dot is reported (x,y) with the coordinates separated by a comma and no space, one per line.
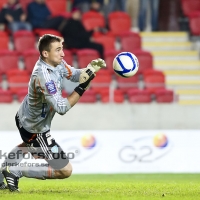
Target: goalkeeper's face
(55,55)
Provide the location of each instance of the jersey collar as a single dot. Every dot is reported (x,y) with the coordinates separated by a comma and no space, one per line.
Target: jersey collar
(47,65)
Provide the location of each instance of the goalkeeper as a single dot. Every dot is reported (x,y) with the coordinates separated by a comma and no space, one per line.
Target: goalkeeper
(37,110)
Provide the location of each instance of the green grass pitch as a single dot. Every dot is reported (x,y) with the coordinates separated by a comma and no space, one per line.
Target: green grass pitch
(114,187)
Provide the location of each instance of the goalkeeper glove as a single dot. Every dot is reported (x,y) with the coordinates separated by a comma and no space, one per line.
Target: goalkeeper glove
(85,77)
(96,65)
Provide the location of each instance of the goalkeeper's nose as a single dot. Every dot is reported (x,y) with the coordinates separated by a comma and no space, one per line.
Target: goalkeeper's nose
(62,54)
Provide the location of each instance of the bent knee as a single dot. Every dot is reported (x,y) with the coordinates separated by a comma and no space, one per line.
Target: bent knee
(65,172)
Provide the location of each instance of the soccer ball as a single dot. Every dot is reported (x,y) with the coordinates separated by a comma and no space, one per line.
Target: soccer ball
(125,64)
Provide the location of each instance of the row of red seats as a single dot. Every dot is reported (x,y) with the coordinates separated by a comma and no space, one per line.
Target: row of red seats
(23,40)
(118,21)
(85,56)
(28,39)
(9,59)
(129,41)
(191,9)
(119,25)
(153,80)
(90,96)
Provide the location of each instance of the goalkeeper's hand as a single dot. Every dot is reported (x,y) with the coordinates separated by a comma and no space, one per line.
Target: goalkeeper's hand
(96,65)
(85,77)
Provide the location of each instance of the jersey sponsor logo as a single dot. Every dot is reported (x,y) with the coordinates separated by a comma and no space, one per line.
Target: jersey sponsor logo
(51,87)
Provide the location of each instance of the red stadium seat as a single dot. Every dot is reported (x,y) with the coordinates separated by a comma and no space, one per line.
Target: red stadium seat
(40,32)
(101,82)
(85,56)
(63,14)
(57,7)
(88,97)
(108,42)
(16,72)
(164,96)
(139,96)
(17,83)
(103,73)
(189,6)
(8,60)
(30,58)
(194,25)
(124,84)
(109,57)
(24,40)
(24,3)
(145,60)
(130,41)
(117,96)
(21,94)
(153,80)
(64,94)
(5,96)
(119,22)
(92,20)
(68,57)
(4,40)
(2,2)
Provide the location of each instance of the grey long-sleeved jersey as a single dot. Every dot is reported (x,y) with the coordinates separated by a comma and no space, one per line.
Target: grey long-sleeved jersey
(44,97)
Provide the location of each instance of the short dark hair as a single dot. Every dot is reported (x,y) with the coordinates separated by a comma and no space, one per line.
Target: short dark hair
(44,43)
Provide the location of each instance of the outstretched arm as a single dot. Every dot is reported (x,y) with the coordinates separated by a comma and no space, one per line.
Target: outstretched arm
(74,74)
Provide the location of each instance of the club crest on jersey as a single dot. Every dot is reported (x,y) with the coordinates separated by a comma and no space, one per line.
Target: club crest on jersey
(51,87)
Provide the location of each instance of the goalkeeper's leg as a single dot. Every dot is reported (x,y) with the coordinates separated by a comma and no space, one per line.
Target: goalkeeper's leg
(45,171)
(43,146)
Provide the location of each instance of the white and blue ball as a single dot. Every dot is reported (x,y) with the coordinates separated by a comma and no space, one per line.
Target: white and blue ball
(125,64)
